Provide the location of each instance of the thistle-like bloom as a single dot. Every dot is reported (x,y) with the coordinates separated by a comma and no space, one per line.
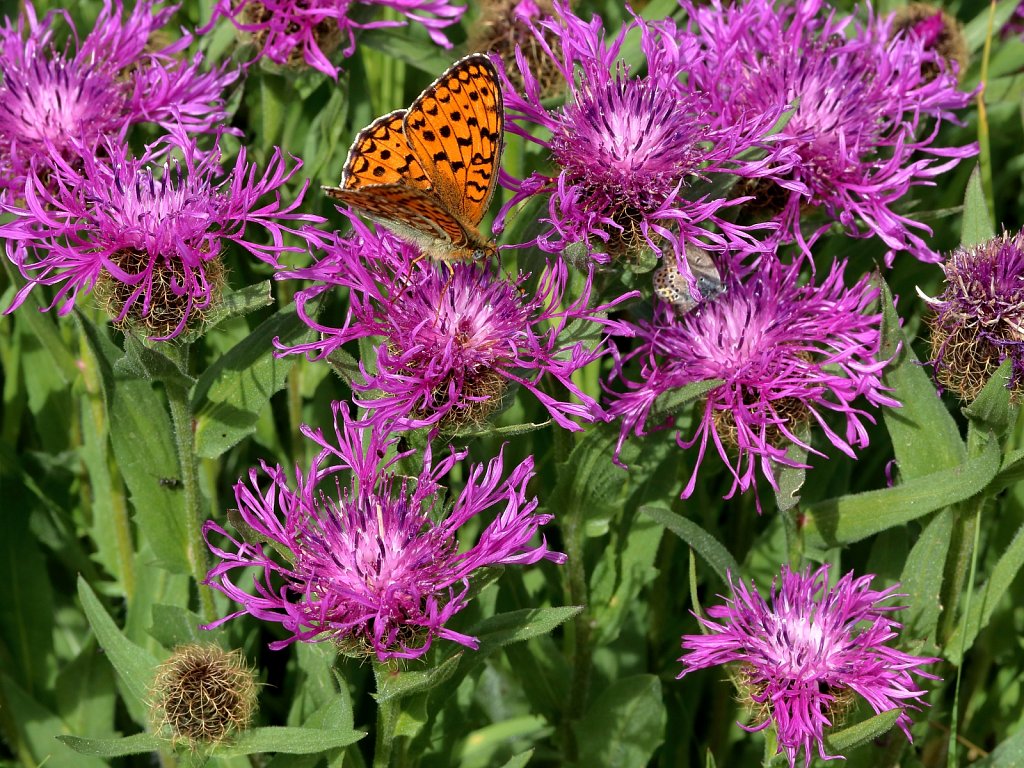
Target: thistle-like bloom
(788,354)
(290,31)
(866,118)
(803,658)
(978,321)
(454,339)
(149,233)
(629,149)
(69,100)
(372,562)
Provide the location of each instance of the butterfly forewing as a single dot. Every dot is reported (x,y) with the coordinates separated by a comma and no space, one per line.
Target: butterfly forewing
(456,129)
(380,154)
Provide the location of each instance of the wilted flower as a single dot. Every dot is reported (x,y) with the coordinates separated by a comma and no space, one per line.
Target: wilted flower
(938,31)
(866,114)
(147,234)
(787,354)
(202,695)
(978,320)
(69,101)
(804,658)
(372,561)
(454,339)
(290,31)
(504,26)
(629,149)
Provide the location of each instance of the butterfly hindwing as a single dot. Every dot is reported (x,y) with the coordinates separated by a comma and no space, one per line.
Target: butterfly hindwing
(456,128)
(406,207)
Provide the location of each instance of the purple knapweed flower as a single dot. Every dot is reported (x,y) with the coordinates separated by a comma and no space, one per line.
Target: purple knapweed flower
(148,234)
(453,338)
(69,100)
(788,353)
(373,561)
(977,322)
(803,658)
(633,152)
(290,31)
(866,116)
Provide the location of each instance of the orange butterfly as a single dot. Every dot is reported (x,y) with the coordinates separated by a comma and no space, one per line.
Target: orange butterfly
(428,173)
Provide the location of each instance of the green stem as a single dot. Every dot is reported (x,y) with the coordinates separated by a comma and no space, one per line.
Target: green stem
(387,719)
(184,440)
(581,630)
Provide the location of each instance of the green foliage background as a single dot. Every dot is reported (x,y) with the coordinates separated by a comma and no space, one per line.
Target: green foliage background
(577,664)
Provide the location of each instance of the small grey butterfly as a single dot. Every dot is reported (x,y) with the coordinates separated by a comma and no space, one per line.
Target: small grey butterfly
(672,287)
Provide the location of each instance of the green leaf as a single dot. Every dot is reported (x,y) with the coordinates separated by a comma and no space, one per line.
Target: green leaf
(672,400)
(921,579)
(517,626)
(1010,473)
(233,392)
(987,598)
(134,666)
(791,479)
(240,303)
(292,741)
(398,685)
(1009,754)
(992,410)
(37,730)
(141,438)
(854,517)
(147,360)
(175,625)
(626,567)
(589,485)
(127,745)
(624,725)
(26,601)
(841,742)
(702,542)
(85,693)
(924,435)
(520,760)
(977,225)
(479,748)
(976,30)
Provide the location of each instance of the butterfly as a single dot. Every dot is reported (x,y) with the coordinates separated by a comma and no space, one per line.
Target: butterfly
(427,173)
(671,286)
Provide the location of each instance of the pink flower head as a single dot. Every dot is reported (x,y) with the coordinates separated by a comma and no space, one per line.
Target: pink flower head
(807,648)
(866,119)
(372,561)
(632,152)
(151,226)
(454,338)
(787,354)
(287,31)
(68,101)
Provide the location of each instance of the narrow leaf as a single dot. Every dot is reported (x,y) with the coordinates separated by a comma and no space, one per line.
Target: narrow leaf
(292,741)
(924,435)
(232,393)
(856,516)
(987,598)
(702,542)
(977,225)
(134,666)
(850,738)
(128,745)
